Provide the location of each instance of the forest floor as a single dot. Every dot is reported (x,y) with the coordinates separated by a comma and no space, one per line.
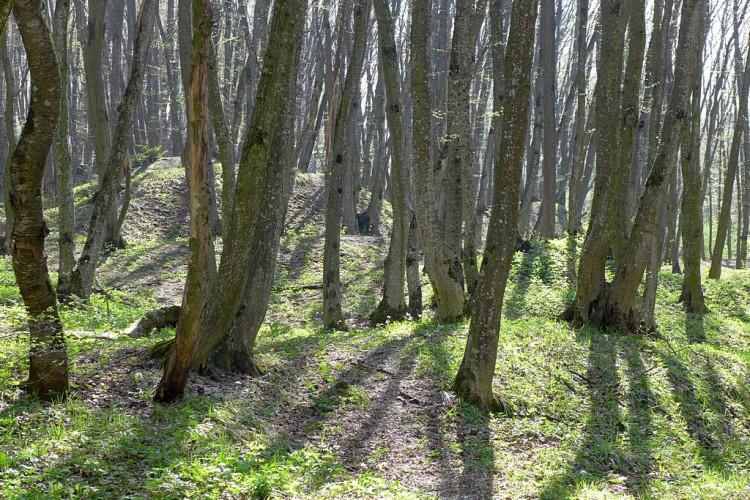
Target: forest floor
(368,413)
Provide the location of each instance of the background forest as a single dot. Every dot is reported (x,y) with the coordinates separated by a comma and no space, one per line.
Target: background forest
(373,249)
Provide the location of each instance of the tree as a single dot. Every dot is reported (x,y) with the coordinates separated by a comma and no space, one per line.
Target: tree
(201,255)
(613,304)
(81,279)
(48,367)
(447,286)
(260,182)
(731,174)
(548,66)
(393,305)
(474,378)
(333,316)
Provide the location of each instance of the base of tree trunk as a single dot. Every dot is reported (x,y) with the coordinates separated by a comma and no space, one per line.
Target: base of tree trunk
(48,374)
(232,363)
(117,243)
(385,314)
(465,387)
(606,313)
(691,306)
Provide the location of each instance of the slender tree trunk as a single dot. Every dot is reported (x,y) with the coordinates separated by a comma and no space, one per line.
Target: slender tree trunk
(393,305)
(579,136)
(66,212)
(201,255)
(82,277)
(223,139)
(474,378)
(333,315)
(48,363)
(10,127)
(549,160)
(732,165)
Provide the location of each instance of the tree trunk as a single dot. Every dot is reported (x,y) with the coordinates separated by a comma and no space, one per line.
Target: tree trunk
(474,378)
(201,255)
(10,127)
(48,364)
(333,315)
(259,183)
(579,136)
(731,174)
(66,242)
(446,285)
(82,277)
(549,160)
(393,305)
(615,305)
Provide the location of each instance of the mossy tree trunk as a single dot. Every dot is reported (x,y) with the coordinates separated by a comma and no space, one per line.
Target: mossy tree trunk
(258,182)
(48,366)
(201,255)
(692,220)
(393,304)
(615,305)
(474,378)
(446,284)
(598,241)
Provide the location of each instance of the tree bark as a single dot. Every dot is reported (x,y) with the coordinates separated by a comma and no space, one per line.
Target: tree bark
(201,255)
(48,364)
(393,305)
(446,285)
(474,378)
(82,277)
(259,183)
(549,160)
(333,315)
(616,304)
(66,243)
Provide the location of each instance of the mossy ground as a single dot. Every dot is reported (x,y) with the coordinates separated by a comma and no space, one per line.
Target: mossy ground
(368,413)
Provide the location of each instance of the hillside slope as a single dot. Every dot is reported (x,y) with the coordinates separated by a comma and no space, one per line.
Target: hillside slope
(369,413)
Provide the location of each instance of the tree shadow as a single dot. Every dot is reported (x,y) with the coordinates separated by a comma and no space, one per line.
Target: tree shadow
(616,448)
(710,418)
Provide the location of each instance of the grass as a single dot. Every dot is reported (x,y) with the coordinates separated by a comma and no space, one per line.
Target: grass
(368,413)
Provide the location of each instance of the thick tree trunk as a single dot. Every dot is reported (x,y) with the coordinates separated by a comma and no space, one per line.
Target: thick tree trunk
(393,304)
(474,378)
(446,285)
(82,277)
(201,255)
(615,306)
(333,315)
(599,238)
(48,364)
(258,181)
